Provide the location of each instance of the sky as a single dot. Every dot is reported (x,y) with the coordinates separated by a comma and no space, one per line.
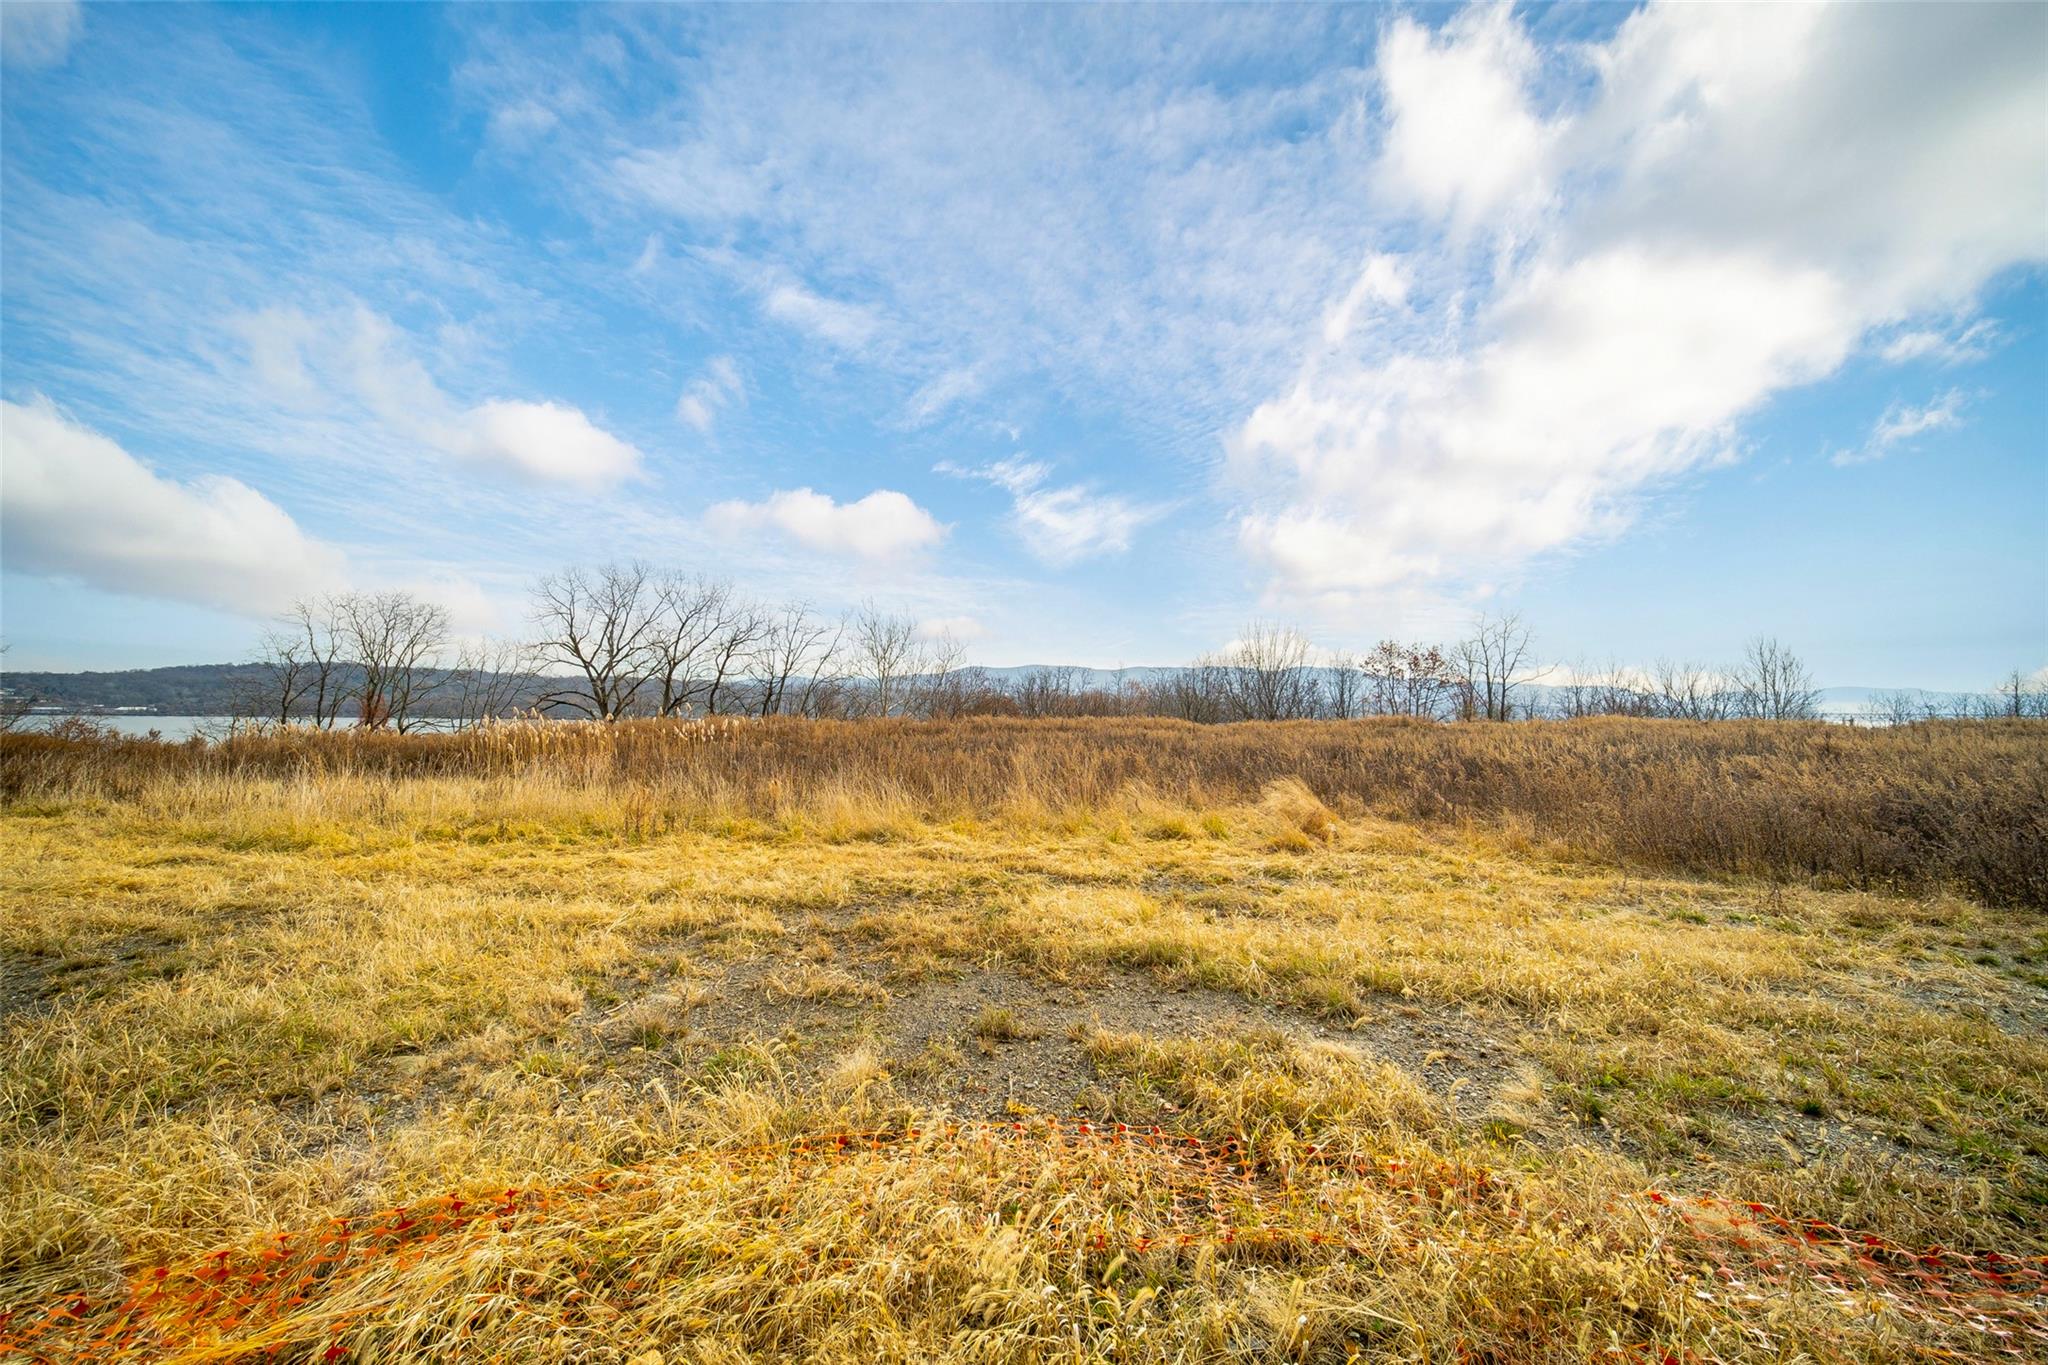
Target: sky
(1083,335)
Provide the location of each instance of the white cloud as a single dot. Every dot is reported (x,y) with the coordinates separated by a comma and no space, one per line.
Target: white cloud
(79,506)
(705,396)
(1469,304)
(1901,422)
(1598,376)
(474,612)
(1380,284)
(360,357)
(39,32)
(1757,195)
(1461,138)
(547,442)
(1064,525)
(1061,526)
(521,122)
(843,324)
(883,525)
(1961,346)
(694,182)
(942,392)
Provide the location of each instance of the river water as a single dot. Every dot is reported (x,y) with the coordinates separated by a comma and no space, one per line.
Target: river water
(170,727)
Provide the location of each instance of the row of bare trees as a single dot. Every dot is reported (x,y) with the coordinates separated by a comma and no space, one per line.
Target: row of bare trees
(1276,673)
(372,657)
(2016,696)
(608,642)
(1768,683)
(628,639)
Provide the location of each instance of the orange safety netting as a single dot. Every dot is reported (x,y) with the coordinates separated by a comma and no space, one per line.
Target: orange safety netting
(257,1299)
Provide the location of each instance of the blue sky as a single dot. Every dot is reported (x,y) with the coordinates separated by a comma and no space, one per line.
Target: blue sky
(1083,334)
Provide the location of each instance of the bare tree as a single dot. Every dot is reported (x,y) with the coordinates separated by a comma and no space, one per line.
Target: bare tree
(741,628)
(1200,692)
(1690,691)
(938,691)
(2019,696)
(1343,686)
(1046,691)
(795,661)
(490,679)
(1626,692)
(315,626)
(688,614)
(1611,691)
(394,639)
(1772,684)
(604,624)
(377,650)
(14,708)
(284,677)
(1492,665)
(1407,680)
(888,657)
(1578,695)
(1267,674)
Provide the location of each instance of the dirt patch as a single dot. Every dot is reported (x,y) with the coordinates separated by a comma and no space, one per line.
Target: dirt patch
(35,981)
(24,983)
(2010,1004)
(982,1040)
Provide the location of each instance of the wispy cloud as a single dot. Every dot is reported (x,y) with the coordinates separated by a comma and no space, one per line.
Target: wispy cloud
(941,393)
(358,356)
(718,387)
(201,274)
(842,324)
(928,195)
(39,32)
(1961,345)
(1901,422)
(1063,525)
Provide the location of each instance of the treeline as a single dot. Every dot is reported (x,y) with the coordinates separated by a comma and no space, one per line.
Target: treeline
(629,640)
(180,690)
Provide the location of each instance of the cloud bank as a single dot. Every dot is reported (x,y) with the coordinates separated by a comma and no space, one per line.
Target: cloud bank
(1740,200)
(79,506)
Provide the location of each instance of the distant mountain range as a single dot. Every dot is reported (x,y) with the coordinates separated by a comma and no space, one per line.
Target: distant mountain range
(212,689)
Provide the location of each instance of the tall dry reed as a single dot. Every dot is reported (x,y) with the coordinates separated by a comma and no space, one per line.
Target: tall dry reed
(1961,804)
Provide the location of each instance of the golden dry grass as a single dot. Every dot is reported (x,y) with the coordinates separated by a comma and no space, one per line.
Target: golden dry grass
(245,1000)
(1942,804)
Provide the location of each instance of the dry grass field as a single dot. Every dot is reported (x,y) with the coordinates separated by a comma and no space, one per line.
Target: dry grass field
(1060,1041)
